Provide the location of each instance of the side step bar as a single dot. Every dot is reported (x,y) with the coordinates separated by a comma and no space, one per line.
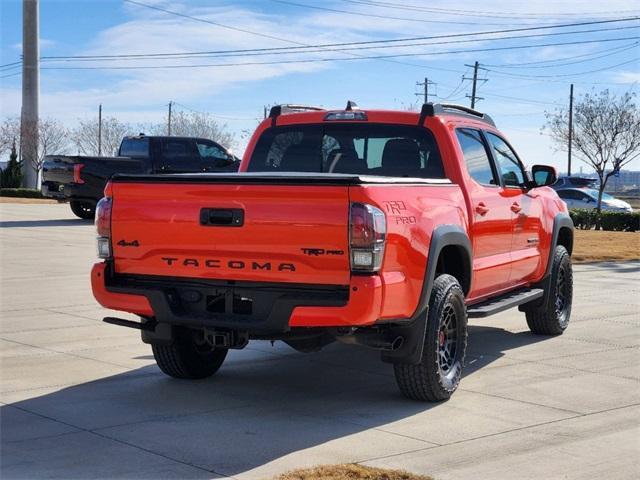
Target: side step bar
(149,326)
(504,302)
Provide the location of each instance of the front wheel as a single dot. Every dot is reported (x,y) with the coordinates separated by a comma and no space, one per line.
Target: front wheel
(85,210)
(189,356)
(552,317)
(437,375)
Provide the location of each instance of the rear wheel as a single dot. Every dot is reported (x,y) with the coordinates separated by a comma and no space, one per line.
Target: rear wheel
(437,375)
(86,210)
(189,356)
(552,317)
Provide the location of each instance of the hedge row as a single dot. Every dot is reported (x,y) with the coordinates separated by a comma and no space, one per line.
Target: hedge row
(586,219)
(20,192)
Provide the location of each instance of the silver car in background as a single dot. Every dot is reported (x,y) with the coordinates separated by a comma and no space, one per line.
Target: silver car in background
(588,198)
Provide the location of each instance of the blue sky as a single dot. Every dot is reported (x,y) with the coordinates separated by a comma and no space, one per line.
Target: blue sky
(515,95)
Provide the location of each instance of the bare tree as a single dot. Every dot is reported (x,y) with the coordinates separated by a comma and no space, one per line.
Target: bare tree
(85,135)
(9,133)
(52,137)
(196,124)
(606,133)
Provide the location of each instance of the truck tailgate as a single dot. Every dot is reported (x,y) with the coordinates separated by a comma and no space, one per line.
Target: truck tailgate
(232,231)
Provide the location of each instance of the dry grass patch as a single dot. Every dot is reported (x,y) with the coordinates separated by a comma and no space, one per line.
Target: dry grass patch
(600,246)
(349,472)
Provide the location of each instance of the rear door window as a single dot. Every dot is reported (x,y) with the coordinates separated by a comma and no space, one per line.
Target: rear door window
(365,149)
(179,155)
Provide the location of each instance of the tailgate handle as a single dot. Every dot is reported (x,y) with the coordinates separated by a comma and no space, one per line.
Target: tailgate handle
(222,217)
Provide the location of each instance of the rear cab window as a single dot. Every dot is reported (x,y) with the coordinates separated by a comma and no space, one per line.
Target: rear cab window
(355,148)
(134,147)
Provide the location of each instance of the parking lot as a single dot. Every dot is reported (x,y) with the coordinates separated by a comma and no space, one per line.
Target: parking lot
(82,399)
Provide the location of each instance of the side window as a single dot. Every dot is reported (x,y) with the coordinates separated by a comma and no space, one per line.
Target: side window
(508,163)
(179,156)
(476,157)
(212,155)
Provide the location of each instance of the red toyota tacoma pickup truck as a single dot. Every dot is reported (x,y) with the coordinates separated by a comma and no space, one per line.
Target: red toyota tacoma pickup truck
(386,229)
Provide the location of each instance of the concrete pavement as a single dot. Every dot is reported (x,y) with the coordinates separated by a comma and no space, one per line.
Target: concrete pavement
(81,399)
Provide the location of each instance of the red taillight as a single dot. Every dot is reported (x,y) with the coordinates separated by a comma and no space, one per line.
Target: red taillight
(76,173)
(367,233)
(103,227)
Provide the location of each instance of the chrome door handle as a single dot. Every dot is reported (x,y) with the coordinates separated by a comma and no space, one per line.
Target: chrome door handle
(516,208)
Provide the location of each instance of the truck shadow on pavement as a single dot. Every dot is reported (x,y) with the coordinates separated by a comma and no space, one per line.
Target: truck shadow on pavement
(63,222)
(267,402)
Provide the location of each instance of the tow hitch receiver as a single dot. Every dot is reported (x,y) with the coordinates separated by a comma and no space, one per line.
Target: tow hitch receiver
(226,339)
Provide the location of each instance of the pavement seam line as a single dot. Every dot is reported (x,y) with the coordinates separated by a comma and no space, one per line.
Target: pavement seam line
(67,353)
(489,435)
(107,437)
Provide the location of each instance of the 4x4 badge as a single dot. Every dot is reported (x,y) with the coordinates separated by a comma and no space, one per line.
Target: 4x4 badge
(124,243)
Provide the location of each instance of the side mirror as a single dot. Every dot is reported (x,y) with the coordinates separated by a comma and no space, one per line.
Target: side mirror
(543,175)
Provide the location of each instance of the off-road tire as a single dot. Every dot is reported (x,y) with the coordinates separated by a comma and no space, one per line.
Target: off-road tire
(85,210)
(188,358)
(552,317)
(427,380)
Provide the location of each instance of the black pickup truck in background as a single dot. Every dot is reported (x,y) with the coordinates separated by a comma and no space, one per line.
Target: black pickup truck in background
(80,180)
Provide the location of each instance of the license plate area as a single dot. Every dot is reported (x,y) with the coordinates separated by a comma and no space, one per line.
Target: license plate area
(229,302)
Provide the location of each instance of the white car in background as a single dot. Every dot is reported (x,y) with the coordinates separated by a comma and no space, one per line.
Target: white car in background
(588,198)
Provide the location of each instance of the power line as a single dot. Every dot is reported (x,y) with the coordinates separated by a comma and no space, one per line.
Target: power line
(384,17)
(538,63)
(524,100)
(11,75)
(397,40)
(297,50)
(211,22)
(609,67)
(471,13)
(218,24)
(224,117)
(19,62)
(371,57)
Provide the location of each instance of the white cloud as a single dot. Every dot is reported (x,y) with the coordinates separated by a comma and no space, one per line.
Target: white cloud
(627,77)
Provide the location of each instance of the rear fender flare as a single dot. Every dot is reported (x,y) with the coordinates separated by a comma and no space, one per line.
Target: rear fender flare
(414,331)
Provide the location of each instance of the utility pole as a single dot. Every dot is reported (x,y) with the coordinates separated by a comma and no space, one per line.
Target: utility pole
(100,130)
(570,130)
(169,120)
(426,84)
(30,91)
(474,87)
(264,112)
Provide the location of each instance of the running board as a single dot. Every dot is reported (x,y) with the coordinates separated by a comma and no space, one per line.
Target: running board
(148,326)
(504,302)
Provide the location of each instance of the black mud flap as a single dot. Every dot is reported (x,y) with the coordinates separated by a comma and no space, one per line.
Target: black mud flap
(413,334)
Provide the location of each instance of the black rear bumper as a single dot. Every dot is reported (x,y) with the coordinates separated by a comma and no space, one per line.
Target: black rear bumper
(70,191)
(258,308)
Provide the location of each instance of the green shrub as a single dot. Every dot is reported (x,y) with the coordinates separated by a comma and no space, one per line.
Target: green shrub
(620,221)
(21,192)
(583,218)
(11,176)
(586,219)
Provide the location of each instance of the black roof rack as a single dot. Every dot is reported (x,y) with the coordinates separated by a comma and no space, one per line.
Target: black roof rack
(433,109)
